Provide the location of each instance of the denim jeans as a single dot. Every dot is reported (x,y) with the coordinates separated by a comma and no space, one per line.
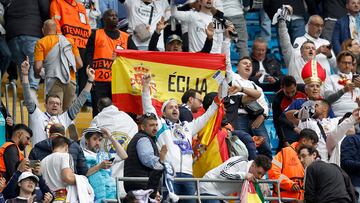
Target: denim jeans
(243,123)
(296,29)
(328,29)
(240,27)
(185,188)
(265,24)
(20,47)
(248,141)
(5,56)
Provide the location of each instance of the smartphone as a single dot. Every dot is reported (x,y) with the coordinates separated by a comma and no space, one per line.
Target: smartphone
(355,76)
(112,159)
(34,163)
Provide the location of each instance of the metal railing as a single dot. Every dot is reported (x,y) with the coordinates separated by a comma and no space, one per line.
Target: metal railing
(14,97)
(198,196)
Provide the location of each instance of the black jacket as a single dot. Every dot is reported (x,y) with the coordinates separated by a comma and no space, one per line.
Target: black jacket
(271,65)
(43,149)
(350,158)
(185,114)
(25,17)
(134,168)
(324,183)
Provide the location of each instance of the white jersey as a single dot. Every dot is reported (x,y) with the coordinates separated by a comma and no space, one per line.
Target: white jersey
(40,123)
(139,13)
(197,24)
(326,63)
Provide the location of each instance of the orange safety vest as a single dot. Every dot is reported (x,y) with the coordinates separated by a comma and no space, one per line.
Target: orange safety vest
(104,48)
(287,167)
(2,150)
(74,22)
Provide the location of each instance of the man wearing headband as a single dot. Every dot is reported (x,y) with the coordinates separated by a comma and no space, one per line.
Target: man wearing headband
(176,135)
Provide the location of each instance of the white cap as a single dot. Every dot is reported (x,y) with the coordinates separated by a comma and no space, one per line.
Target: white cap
(27,174)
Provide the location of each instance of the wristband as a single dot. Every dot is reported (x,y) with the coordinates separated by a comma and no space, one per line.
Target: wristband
(91,82)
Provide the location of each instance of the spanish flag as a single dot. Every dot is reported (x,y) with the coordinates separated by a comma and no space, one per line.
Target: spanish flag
(210,148)
(172,74)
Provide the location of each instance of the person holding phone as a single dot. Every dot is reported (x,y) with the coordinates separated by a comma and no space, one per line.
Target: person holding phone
(100,162)
(342,89)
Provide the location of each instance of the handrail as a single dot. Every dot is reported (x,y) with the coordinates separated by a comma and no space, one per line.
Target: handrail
(199,196)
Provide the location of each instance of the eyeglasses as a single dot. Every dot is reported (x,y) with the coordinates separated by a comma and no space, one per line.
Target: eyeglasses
(346,63)
(150,115)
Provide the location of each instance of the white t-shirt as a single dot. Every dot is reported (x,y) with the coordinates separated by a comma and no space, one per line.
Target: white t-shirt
(139,13)
(232,8)
(197,23)
(51,167)
(40,123)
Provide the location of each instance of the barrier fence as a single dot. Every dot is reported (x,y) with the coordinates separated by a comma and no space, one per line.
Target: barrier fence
(198,196)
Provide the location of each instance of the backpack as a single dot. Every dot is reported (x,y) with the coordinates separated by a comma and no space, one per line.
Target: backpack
(354,195)
(235,146)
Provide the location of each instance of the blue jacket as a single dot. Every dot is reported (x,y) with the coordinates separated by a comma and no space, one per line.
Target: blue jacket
(43,148)
(341,33)
(350,159)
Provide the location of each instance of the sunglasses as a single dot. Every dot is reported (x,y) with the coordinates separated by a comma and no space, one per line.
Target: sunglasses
(150,115)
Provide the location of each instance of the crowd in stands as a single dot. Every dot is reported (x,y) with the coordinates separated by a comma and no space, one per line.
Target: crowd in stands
(70,45)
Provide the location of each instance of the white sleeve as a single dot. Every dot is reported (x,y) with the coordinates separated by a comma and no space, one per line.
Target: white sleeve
(65,161)
(185,16)
(285,42)
(339,132)
(225,49)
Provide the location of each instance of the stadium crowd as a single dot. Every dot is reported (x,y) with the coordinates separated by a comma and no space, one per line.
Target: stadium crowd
(70,46)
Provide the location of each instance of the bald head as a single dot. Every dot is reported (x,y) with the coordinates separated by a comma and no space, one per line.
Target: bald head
(49,27)
(315,26)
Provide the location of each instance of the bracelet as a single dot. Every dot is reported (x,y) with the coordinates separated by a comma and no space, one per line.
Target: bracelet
(91,82)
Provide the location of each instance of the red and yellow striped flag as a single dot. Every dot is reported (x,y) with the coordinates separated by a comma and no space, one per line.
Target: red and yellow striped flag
(172,74)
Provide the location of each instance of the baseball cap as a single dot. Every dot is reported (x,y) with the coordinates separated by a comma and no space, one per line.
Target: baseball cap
(172,38)
(91,130)
(27,174)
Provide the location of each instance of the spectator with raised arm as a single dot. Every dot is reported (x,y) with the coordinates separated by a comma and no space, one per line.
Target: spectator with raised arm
(243,121)
(304,49)
(175,43)
(40,122)
(177,136)
(100,162)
